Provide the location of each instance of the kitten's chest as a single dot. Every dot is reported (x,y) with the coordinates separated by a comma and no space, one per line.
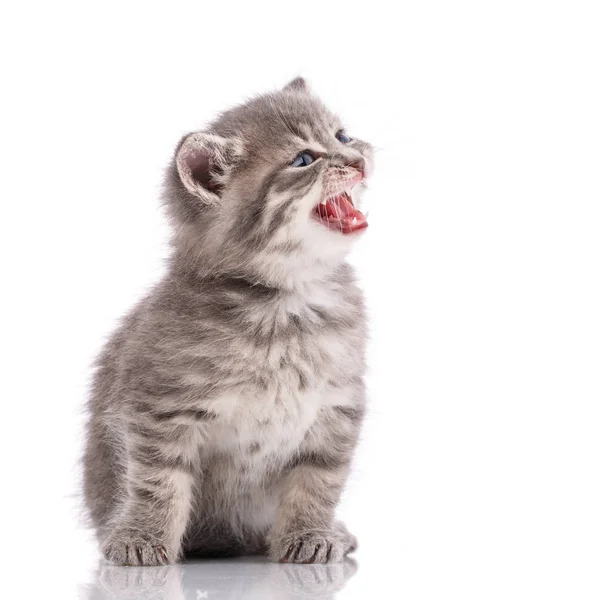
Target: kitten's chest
(279,400)
(272,427)
(287,370)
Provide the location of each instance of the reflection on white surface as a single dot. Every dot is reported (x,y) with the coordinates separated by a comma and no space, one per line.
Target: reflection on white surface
(250,579)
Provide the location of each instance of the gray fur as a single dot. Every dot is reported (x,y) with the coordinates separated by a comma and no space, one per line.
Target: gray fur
(225,409)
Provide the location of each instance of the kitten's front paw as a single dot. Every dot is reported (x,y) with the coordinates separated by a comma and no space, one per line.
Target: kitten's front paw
(307,547)
(129,547)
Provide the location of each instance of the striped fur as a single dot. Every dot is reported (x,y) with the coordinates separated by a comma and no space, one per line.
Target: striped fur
(225,409)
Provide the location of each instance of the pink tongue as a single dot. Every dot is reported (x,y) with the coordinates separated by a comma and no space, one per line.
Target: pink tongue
(340,214)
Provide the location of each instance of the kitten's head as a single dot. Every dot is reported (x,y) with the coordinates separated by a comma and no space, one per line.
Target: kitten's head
(270,190)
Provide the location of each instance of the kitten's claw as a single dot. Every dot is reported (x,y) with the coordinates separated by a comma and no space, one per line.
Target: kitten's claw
(127,548)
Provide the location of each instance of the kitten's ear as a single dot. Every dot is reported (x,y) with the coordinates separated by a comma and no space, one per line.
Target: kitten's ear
(297,85)
(204,162)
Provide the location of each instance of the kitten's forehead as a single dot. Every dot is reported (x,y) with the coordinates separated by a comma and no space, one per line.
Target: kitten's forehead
(278,119)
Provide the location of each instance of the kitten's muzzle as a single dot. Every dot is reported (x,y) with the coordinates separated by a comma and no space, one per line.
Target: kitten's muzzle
(336,209)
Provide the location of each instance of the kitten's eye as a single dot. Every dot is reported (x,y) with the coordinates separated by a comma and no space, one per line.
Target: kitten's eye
(342,137)
(302,160)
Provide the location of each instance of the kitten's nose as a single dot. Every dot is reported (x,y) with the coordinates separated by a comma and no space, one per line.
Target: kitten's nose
(358,164)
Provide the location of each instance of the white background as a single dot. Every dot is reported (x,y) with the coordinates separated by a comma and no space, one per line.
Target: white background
(478,474)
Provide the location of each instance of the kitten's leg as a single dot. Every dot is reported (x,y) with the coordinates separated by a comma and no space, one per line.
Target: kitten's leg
(150,524)
(305,530)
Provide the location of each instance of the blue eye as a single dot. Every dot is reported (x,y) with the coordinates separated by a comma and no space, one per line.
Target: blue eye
(302,160)
(342,137)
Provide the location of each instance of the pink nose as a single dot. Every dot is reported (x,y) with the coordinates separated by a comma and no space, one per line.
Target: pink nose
(358,164)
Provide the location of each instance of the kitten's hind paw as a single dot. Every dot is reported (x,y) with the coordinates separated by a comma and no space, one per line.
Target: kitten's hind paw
(131,548)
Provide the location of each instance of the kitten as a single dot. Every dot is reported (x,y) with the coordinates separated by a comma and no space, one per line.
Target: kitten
(226,408)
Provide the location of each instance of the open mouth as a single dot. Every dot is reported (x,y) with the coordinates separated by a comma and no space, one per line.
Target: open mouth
(339,214)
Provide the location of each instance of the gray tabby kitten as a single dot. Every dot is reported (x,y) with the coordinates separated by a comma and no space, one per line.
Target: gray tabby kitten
(226,408)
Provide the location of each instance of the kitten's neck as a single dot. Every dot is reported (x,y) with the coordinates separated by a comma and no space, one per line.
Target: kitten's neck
(271,277)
